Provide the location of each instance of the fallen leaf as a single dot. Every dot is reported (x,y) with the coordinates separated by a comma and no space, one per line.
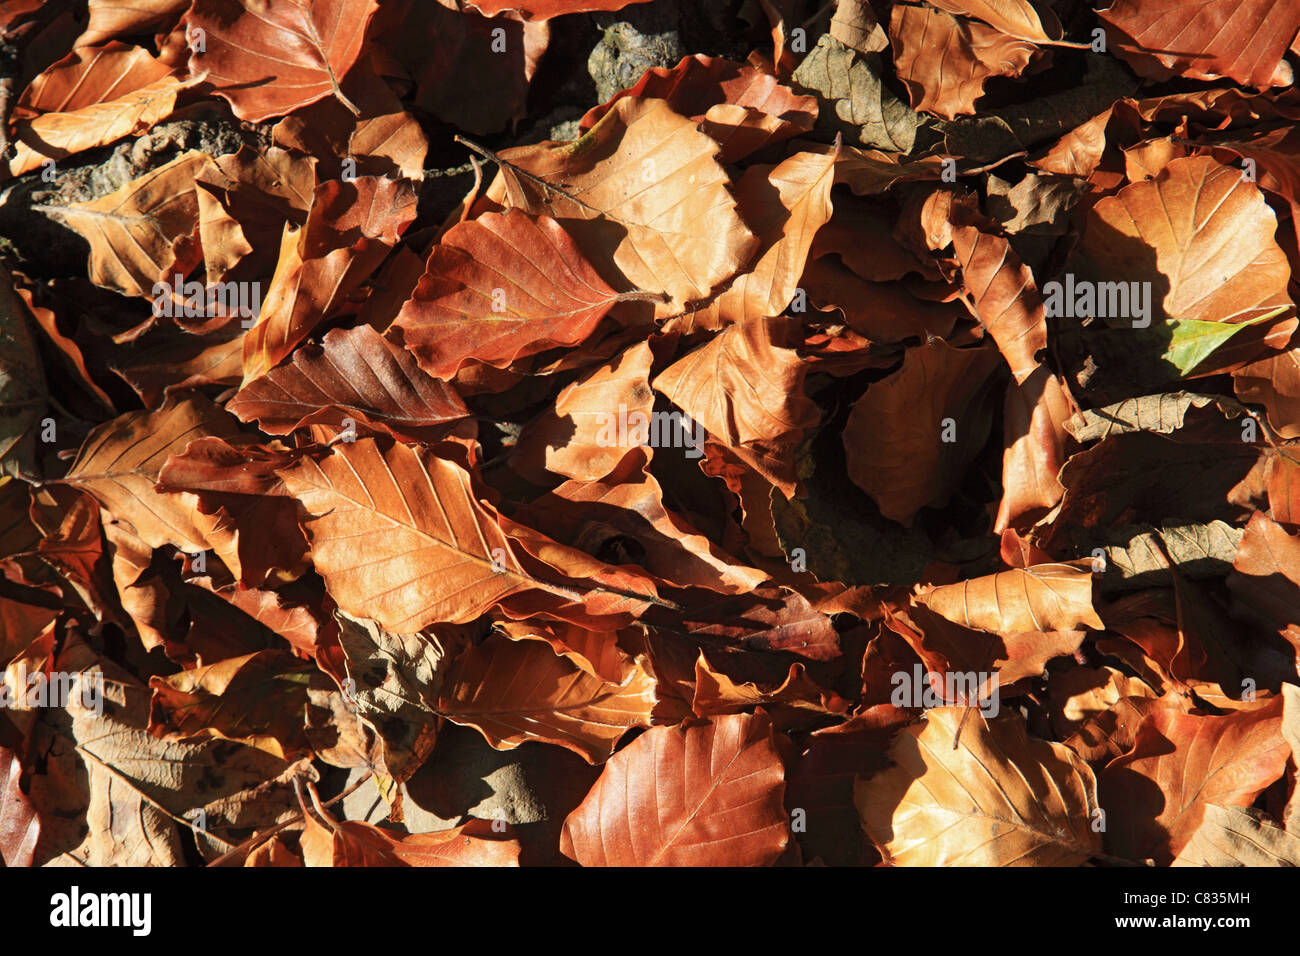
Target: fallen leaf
(353,373)
(144,233)
(681,239)
(268,62)
(516,691)
(911,433)
(1239,836)
(1045,597)
(710,796)
(499,288)
(1242,41)
(1000,798)
(1157,795)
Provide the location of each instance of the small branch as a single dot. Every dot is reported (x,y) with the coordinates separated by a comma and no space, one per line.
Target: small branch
(342,98)
(532,178)
(258,838)
(1067,44)
(637,295)
(473,193)
(985,169)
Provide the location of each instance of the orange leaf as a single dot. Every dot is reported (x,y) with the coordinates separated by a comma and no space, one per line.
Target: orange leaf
(270,59)
(498,288)
(707,795)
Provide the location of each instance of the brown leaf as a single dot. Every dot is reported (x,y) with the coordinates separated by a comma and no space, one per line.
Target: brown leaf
(352,843)
(145,232)
(245,198)
(1239,836)
(20,824)
(268,61)
(257,700)
(596,652)
(181,363)
(515,691)
(1084,693)
(243,499)
(741,107)
(681,238)
(1045,597)
(546,9)
(785,205)
(1203,238)
(347,234)
(1000,798)
(1036,446)
(718,693)
(120,461)
(1244,40)
(709,795)
(139,786)
(1156,795)
(499,288)
(1266,576)
(567,439)
(1015,18)
(624,513)
(56,135)
(747,392)
(822,783)
(1000,291)
(1274,382)
(895,437)
(400,536)
(854,99)
(115,18)
(353,373)
(854,24)
(944,61)
(947,647)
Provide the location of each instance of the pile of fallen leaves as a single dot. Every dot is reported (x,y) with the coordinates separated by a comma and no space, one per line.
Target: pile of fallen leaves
(882,447)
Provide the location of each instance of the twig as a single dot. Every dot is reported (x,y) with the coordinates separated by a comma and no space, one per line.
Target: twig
(533,178)
(257,838)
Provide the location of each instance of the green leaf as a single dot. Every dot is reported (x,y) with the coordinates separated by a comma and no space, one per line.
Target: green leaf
(1193,341)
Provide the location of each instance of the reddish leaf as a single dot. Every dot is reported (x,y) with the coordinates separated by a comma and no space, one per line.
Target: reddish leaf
(20,825)
(1156,795)
(1241,39)
(709,795)
(499,288)
(269,61)
(353,373)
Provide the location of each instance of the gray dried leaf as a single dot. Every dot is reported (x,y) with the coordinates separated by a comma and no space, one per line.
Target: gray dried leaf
(1163,414)
(397,678)
(1198,551)
(854,100)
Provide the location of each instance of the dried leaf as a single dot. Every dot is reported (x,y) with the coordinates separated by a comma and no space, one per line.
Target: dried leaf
(1239,836)
(709,795)
(268,61)
(1000,798)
